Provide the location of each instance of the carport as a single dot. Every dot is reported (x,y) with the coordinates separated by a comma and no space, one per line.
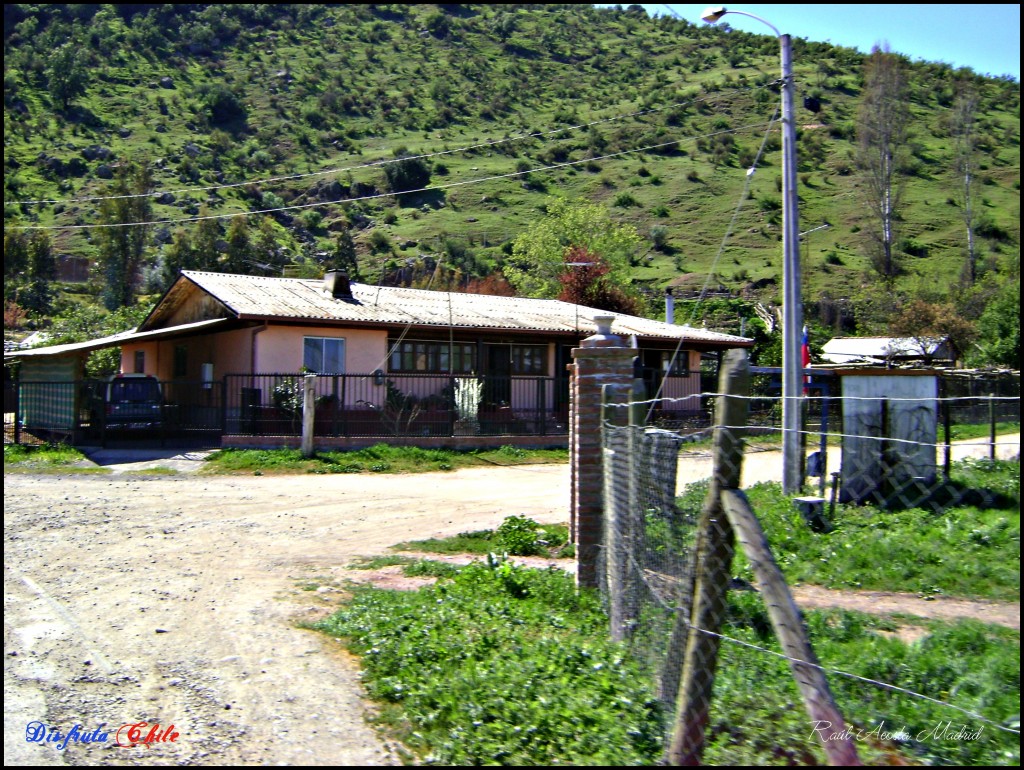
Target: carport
(48,398)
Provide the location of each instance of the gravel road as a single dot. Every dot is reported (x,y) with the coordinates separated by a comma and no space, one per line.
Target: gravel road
(175,600)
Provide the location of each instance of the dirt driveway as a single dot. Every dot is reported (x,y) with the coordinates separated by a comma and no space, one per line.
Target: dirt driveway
(175,600)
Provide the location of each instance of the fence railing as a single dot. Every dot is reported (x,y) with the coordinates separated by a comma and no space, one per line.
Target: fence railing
(353,405)
(350,405)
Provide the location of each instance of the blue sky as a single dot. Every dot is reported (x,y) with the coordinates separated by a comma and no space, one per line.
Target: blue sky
(984,37)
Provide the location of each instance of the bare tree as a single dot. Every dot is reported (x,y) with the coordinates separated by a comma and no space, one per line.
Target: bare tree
(882,122)
(963,128)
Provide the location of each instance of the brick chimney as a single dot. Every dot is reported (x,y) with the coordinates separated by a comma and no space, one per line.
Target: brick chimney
(336,282)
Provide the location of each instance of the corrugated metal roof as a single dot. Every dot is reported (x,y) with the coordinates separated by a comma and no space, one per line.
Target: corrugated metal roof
(844,350)
(115,339)
(260,297)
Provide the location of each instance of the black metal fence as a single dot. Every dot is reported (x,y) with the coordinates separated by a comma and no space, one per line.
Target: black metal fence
(352,405)
(383,405)
(397,405)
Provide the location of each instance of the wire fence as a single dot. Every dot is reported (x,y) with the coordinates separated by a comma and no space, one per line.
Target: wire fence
(677,524)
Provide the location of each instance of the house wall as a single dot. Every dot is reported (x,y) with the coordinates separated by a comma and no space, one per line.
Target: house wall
(279,348)
(229,352)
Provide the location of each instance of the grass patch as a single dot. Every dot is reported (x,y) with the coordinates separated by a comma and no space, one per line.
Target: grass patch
(410,567)
(501,665)
(967,551)
(506,665)
(47,458)
(517,536)
(759,719)
(380,458)
(965,431)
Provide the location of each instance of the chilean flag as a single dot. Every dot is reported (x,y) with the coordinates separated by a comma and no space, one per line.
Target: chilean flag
(805,357)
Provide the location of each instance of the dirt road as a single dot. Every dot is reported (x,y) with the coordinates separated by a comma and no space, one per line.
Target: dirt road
(175,600)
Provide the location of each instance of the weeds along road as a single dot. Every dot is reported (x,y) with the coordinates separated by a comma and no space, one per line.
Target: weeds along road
(176,599)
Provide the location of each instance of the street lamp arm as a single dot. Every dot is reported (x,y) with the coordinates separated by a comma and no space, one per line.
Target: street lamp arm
(714,14)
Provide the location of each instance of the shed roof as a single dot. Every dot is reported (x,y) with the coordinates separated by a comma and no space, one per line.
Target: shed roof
(72,348)
(249,297)
(847,350)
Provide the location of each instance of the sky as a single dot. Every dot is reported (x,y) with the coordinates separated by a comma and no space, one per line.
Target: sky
(984,37)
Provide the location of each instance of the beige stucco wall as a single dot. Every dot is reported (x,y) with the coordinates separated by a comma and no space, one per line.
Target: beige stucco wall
(279,348)
(229,352)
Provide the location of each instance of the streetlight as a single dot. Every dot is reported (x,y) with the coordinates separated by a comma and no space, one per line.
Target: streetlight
(792,310)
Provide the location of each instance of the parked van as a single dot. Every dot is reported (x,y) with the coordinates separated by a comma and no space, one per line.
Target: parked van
(128,402)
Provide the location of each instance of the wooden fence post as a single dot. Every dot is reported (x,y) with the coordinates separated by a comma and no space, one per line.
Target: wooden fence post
(308,413)
(789,628)
(714,550)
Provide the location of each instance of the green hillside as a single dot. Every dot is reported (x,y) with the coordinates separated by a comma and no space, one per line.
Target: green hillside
(302,111)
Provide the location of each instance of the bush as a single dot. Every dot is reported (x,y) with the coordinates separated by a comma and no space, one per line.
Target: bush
(517,536)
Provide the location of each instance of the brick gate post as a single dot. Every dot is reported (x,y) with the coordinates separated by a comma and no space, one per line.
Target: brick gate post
(602,359)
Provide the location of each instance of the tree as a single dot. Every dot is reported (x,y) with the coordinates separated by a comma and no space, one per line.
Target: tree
(882,121)
(999,330)
(344,256)
(180,255)
(238,256)
(30,268)
(406,174)
(124,233)
(963,129)
(87,322)
(66,74)
(585,282)
(538,259)
(925,322)
(207,240)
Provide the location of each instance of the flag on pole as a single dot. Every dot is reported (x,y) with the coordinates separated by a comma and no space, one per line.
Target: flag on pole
(805,357)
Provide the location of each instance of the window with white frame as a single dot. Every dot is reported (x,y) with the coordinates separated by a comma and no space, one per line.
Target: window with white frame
(323,355)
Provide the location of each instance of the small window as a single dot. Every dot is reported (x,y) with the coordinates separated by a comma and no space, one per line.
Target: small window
(680,365)
(180,361)
(323,355)
(530,360)
(140,361)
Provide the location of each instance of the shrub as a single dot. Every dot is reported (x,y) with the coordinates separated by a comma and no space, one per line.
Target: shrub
(517,536)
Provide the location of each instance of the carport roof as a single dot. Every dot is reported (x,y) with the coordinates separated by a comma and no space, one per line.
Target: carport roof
(121,338)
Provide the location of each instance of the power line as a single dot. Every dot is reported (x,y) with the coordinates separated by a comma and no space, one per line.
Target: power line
(378,163)
(375,196)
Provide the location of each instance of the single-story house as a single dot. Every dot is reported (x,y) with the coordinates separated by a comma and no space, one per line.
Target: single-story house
(887,350)
(386,355)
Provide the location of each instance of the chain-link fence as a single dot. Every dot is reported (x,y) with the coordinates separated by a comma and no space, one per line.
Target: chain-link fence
(676,519)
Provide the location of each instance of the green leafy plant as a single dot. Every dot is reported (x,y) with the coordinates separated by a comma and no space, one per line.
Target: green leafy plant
(519,536)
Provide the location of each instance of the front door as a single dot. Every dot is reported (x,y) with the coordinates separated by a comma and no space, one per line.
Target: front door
(497,375)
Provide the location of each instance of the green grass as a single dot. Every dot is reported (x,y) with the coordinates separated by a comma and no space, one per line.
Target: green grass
(517,536)
(963,432)
(410,567)
(506,665)
(966,551)
(47,458)
(381,458)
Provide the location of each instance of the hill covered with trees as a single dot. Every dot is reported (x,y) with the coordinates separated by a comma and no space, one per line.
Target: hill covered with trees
(438,145)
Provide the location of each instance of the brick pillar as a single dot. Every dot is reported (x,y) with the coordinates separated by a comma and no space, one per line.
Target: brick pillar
(603,359)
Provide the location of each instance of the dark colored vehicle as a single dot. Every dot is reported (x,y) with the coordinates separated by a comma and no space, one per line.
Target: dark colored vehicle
(128,402)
